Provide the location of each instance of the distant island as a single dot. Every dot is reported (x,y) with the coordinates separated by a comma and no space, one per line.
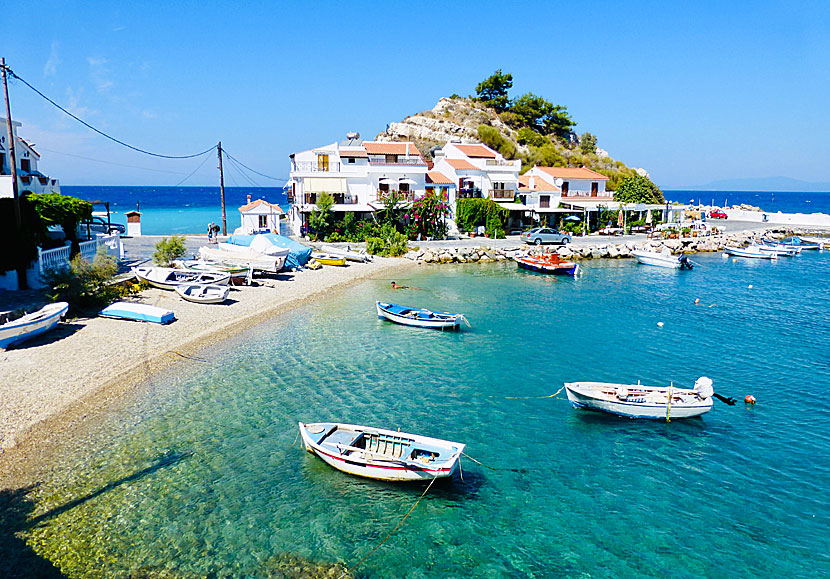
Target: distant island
(760,184)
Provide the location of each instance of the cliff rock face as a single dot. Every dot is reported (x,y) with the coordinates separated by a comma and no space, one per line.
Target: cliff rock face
(452,119)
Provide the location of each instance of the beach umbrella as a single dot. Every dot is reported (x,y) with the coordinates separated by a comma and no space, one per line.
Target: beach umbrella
(648,218)
(572,218)
(620,218)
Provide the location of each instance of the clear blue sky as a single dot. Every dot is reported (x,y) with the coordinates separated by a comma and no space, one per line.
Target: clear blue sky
(691,91)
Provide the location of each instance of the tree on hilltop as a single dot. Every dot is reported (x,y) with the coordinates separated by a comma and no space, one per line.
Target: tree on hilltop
(542,116)
(492,91)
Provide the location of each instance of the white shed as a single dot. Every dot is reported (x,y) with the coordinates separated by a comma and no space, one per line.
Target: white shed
(260,217)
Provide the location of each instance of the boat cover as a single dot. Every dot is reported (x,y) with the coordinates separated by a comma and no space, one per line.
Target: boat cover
(298,256)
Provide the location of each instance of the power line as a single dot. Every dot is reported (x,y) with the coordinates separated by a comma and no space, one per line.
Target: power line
(251,170)
(103,134)
(110,162)
(236,167)
(193,173)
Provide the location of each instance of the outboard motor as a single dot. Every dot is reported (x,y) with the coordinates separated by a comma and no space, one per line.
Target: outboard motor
(703,388)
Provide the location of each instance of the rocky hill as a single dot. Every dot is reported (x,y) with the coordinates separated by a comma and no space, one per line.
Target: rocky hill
(463,120)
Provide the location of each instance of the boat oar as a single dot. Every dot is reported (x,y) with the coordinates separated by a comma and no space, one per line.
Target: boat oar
(730,401)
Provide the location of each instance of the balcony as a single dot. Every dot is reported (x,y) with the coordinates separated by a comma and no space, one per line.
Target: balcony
(502,193)
(387,160)
(314,167)
(383,196)
(469,193)
(499,163)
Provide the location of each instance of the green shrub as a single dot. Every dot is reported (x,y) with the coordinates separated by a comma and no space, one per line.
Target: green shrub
(389,243)
(528,136)
(470,213)
(168,250)
(84,284)
(491,137)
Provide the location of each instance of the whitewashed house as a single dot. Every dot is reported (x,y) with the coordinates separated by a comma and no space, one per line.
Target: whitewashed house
(28,176)
(577,186)
(260,217)
(479,171)
(360,175)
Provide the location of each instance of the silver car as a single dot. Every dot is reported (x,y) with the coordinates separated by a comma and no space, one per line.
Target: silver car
(541,235)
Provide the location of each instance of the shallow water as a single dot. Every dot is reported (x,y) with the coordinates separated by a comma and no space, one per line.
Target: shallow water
(740,492)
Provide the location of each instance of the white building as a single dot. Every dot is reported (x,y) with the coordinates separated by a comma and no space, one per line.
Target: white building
(360,175)
(576,185)
(479,171)
(28,176)
(260,217)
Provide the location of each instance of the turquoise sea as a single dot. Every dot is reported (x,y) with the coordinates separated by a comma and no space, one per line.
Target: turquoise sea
(200,474)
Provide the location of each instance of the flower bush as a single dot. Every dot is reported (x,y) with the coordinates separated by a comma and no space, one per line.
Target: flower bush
(427,217)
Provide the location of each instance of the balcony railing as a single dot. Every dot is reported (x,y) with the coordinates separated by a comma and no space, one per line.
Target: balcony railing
(343,199)
(469,193)
(502,193)
(313,167)
(383,196)
(499,163)
(382,160)
(587,195)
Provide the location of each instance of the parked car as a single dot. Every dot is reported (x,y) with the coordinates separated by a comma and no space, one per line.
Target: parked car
(99,225)
(718,214)
(541,235)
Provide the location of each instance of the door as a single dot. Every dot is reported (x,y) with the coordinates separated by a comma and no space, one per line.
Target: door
(322,162)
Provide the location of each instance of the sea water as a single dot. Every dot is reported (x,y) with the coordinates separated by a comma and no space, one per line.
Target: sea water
(202,474)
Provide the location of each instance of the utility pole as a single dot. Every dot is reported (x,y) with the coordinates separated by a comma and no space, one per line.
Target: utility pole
(21,268)
(222,189)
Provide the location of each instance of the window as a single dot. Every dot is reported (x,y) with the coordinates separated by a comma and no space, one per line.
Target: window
(263,221)
(322,162)
(350,160)
(391,159)
(25,165)
(2,163)
(565,186)
(594,189)
(544,200)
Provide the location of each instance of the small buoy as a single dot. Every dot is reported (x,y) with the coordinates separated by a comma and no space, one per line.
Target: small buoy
(734,261)
(697,301)
(750,399)
(750,286)
(659,324)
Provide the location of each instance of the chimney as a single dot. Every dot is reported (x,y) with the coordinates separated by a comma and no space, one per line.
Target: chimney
(249,199)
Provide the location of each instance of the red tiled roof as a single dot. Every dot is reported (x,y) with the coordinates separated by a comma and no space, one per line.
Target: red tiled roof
(353,153)
(572,173)
(477,151)
(438,178)
(257,203)
(374,148)
(539,183)
(460,164)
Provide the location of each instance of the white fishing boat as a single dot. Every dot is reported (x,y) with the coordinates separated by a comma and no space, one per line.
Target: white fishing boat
(244,256)
(203,293)
(638,401)
(350,255)
(751,251)
(138,313)
(381,454)
(662,259)
(30,325)
(169,278)
(419,317)
(777,249)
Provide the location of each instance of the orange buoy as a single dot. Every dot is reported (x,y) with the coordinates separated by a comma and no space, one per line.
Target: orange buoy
(750,399)
(697,301)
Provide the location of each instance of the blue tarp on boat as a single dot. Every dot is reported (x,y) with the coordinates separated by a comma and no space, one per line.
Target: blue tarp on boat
(299,253)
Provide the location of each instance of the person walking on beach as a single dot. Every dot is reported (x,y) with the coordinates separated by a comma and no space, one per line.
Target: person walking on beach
(210,232)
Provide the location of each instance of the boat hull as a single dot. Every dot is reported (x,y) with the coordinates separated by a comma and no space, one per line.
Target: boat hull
(328,259)
(243,257)
(168,278)
(31,325)
(543,266)
(661,260)
(138,313)
(202,293)
(642,401)
(360,462)
(750,254)
(418,317)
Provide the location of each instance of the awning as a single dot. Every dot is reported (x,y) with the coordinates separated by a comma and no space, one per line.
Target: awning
(408,182)
(510,206)
(386,180)
(614,205)
(550,210)
(353,207)
(503,177)
(325,184)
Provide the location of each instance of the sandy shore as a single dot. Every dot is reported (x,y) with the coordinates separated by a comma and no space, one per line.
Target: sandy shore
(67,376)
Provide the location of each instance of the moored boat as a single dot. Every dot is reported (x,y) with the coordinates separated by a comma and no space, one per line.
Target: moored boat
(547,263)
(243,256)
(638,401)
(795,241)
(31,325)
(381,454)
(168,278)
(662,259)
(203,293)
(419,317)
(777,249)
(138,313)
(751,251)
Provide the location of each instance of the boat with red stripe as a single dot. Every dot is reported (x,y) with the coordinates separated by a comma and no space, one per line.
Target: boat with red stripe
(379,453)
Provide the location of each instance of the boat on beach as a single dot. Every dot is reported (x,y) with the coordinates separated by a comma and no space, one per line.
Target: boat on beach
(547,263)
(751,251)
(419,317)
(356,256)
(329,259)
(638,401)
(662,259)
(138,313)
(30,325)
(168,278)
(244,256)
(381,454)
(203,293)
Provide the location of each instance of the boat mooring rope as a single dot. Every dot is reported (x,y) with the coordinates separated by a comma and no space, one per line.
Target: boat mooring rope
(478,462)
(369,554)
(530,397)
(174,352)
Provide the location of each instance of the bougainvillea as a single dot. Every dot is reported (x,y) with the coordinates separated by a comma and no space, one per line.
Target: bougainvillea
(428,217)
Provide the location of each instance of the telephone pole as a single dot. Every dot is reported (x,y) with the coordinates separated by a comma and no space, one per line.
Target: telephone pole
(222,189)
(21,268)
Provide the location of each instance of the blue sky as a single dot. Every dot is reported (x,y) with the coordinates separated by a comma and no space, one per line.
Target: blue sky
(693,92)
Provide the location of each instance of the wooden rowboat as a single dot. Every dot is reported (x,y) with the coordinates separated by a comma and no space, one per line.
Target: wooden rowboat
(381,454)
(421,318)
(31,325)
(203,293)
(168,278)
(547,263)
(329,259)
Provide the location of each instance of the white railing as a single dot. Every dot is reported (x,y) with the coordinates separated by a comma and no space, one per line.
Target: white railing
(58,258)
